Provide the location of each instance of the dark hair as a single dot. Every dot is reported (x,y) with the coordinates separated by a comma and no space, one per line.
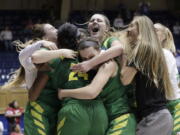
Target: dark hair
(88,42)
(68,35)
(12,104)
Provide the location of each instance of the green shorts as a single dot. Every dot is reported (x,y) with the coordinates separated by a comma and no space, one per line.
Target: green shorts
(82,118)
(174,108)
(40,119)
(122,125)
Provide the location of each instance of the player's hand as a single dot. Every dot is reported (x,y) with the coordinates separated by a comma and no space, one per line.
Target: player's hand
(82,67)
(49,45)
(67,53)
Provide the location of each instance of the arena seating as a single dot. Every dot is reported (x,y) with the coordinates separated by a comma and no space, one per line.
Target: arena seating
(8,63)
(5,124)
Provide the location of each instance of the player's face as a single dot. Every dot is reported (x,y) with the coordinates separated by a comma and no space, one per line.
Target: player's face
(159,31)
(132,31)
(88,53)
(50,32)
(97,26)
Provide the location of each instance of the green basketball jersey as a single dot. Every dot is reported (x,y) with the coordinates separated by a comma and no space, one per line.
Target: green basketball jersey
(71,79)
(107,43)
(68,79)
(115,98)
(49,93)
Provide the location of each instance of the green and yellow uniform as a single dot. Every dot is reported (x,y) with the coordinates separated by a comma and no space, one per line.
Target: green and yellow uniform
(40,116)
(79,117)
(108,42)
(131,97)
(114,95)
(174,108)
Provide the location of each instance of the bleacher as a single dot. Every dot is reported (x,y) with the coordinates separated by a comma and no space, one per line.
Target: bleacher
(8,63)
(16,20)
(5,124)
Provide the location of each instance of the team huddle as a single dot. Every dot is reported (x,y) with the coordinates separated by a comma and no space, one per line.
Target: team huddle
(98,81)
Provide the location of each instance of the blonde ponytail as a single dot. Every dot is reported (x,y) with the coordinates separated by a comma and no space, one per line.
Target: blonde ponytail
(16,80)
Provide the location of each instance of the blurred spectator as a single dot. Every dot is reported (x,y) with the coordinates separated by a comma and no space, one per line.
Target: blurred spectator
(1,128)
(124,12)
(176,29)
(16,130)
(28,30)
(144,7)
(13,114)
(6,36)
(118,22)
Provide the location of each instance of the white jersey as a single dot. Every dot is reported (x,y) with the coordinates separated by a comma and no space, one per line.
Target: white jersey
(26,62)
(173,73)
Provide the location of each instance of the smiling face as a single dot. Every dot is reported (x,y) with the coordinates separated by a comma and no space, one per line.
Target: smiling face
(98,25)
(50,32)
(132,31)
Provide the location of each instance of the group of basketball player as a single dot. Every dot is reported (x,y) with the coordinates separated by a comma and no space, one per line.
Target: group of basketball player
(98,81)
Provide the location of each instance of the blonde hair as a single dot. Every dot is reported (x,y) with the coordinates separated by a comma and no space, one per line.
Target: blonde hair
(18,77)
(168,42)
(122,36)
(147,55)
(20,45)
